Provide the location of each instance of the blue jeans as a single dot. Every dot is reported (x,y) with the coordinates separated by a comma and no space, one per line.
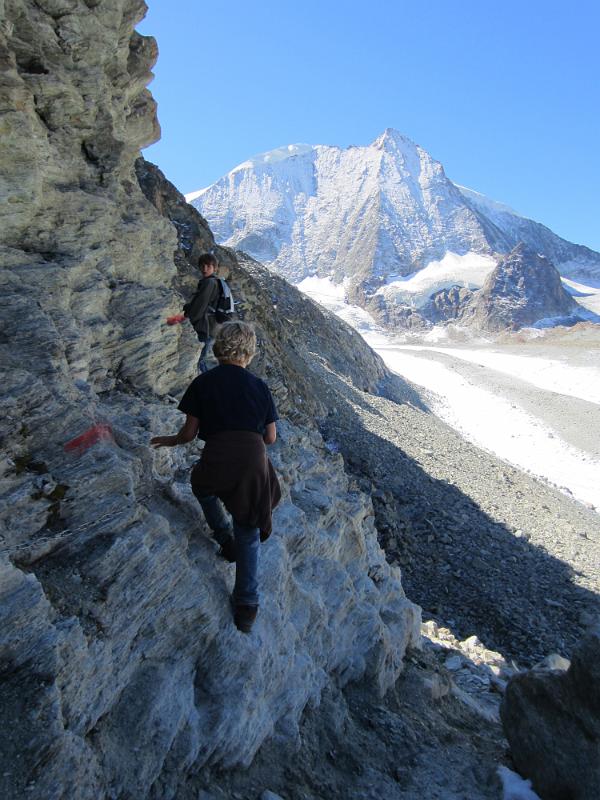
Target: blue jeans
(205,353)
(247,543)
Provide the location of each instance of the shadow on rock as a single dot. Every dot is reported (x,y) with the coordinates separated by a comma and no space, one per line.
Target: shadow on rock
(465,567)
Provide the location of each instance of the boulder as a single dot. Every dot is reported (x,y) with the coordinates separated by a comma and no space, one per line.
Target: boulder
(551,719)
(523,289)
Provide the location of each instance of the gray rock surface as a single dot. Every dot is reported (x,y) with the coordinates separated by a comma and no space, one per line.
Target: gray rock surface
(434,735)
(523,289)
(120,634)
(552,722)
(447,304)
(86,263)
(120,666)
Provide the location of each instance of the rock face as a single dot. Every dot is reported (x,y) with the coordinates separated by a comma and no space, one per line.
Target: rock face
(119,638)
(523,289)
(447,304)
(84,254)
(552,722)
(120,668)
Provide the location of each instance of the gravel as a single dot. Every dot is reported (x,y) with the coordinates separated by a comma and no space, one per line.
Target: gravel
(576,421)
(483,547)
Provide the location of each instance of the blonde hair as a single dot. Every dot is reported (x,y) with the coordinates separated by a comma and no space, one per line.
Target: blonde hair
(236,341)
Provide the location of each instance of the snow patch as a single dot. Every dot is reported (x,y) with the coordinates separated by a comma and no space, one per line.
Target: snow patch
(191,196)
(587,296)
(321,289)
(514,787)
(332,296)
(469,270)
(275,156)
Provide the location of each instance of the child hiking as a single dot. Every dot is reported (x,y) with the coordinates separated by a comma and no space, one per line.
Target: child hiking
(198,310)
(233,411)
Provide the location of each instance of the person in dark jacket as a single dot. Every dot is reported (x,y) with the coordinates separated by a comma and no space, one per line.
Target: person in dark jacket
(233,411)
(198,309)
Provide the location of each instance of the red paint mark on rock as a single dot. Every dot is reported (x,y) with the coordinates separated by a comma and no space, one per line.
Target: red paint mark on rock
(176,319)
(95,434)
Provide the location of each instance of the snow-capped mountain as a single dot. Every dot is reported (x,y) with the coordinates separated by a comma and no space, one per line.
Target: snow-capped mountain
(383,219)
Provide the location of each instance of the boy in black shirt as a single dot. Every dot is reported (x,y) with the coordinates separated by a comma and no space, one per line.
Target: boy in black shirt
(234,412)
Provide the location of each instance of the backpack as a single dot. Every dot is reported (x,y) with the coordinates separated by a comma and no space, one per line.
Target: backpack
(224,308)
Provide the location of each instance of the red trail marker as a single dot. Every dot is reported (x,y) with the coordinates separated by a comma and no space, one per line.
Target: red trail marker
(175,320)
(93,435)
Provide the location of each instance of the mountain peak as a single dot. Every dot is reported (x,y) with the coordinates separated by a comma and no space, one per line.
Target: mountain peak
(523,250)
(394,139)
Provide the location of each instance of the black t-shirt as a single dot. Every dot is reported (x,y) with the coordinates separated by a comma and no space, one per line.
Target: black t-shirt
(229,398)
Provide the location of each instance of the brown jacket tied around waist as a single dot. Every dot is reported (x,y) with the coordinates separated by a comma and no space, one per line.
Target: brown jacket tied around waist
(234,466)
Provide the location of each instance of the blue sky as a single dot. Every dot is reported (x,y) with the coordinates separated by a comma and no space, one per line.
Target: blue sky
(506,95)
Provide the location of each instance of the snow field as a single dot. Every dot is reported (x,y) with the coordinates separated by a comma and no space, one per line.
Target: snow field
(549,374)
(495,424)
(469,270)
(486,419)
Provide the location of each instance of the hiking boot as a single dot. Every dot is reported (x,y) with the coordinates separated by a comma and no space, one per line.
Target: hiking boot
(244,617)
(227,549)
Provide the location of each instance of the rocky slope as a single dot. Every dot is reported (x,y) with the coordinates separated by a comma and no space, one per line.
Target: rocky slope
(120,666)
(121,674)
